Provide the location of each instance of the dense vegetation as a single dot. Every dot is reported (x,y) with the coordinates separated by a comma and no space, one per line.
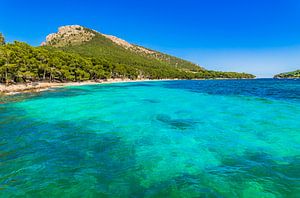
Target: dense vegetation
(20,62)
(100,46)
(156,65)
(294,74)
(172,61)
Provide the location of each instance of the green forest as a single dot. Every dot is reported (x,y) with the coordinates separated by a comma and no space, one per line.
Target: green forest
(293,74)
(20,62)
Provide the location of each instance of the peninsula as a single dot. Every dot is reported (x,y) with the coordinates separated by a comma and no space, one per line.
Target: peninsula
(76,54)
(293,74)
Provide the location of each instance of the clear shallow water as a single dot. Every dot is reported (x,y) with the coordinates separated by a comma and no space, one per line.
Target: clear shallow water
(155,139)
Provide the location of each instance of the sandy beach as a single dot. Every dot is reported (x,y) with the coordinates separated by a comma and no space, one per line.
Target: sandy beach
(43,86)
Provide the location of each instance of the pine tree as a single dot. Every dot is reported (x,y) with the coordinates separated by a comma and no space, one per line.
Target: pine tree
(2,40)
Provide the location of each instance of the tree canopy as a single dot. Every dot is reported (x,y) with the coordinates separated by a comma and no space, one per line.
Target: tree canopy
(293,74)
(19,62)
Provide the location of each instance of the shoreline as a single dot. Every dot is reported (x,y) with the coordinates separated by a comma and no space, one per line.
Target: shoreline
(36,87)
(44,86)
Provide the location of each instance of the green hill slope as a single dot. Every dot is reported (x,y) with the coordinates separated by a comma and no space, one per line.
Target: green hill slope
(90,43)
(294,74)
(148,63)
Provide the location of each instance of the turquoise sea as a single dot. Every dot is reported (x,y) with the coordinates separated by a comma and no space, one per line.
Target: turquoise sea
(214,138)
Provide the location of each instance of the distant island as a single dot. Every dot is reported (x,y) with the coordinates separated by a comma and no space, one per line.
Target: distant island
(79,54)
(293,74)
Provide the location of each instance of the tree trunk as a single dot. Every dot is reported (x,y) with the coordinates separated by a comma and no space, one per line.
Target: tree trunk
(75,76)
(44,75)
(6,80)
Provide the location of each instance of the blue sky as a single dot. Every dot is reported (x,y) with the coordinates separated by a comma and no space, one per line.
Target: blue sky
(257,36)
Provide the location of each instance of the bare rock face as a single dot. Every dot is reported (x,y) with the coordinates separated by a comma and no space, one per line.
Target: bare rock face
(118,41)
(127,45)
(69,35)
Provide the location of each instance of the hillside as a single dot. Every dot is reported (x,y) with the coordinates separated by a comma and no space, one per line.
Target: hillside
(91,43)
(294,74)
(147,62)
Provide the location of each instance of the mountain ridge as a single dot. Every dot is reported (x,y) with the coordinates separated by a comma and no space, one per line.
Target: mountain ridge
(74,35)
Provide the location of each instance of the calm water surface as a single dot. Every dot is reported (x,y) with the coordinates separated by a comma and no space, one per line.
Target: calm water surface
(235,138)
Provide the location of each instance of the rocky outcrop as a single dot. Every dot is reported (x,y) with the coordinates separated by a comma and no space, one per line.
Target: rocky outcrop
(127,45)
(69,35)
(76,34)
